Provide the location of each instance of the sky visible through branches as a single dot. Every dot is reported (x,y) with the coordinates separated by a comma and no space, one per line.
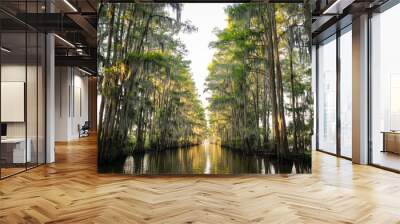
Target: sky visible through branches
(207,18)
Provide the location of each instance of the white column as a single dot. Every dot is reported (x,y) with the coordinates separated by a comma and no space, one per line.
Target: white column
(360,90)
(62,103)
(50,99)
(314,94)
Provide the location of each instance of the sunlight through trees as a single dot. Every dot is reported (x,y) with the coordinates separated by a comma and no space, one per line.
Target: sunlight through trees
(259,81)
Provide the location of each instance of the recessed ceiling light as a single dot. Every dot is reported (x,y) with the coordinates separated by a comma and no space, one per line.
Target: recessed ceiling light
(5,50)
(64,40)
(337,7)
(86,72)
(70,5)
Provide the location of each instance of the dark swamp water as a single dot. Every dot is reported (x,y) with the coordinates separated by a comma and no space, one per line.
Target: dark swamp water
(206,159)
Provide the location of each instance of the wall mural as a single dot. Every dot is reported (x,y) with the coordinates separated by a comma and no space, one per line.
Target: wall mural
(204,88)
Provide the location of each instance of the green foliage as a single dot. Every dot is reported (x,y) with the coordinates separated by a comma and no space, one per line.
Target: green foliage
(259,80)
(149,99)
(246,79)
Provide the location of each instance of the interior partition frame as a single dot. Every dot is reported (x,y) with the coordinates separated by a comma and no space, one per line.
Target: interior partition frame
(44,80)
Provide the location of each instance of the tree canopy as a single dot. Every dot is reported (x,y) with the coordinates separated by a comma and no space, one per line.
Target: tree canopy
(149,99)
(260,80)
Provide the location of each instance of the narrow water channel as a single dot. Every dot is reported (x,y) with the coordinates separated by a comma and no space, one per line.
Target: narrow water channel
(209,159)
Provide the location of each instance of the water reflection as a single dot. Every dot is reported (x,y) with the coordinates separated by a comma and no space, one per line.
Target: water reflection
(208,159)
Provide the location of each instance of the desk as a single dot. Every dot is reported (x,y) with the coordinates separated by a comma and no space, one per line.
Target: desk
(391,141)
(13,150)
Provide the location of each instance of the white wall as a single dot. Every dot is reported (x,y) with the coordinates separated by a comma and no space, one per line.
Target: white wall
(16,73)
(71,102)
(12,73)
(80,109)
(62,82)
(33,127)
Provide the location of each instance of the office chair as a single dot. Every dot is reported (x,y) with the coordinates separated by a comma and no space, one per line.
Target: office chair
(84,130)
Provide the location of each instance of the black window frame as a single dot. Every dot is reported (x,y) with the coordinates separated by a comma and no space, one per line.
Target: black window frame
(341,27)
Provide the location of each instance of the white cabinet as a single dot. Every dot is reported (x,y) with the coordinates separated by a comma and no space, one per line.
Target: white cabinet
(19,154)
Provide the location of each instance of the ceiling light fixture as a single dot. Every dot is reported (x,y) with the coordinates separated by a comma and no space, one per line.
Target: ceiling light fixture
(64,40)
(79,51)
(70,5)
(84,71)
(5,50)
(337,7)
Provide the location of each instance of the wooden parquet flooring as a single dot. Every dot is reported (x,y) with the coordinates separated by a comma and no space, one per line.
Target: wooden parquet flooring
(71,191)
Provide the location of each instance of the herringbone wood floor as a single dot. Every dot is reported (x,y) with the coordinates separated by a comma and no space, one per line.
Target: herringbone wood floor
(71,191)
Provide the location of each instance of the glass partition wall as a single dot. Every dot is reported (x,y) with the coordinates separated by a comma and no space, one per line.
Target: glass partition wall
(345,90)
(385,89)
(327,95)
(334,105)
(22,77)
(334,93)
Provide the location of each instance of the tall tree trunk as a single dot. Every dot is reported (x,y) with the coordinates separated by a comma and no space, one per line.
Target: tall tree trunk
(293,96)
(270,66)
(257,111)
(103,153)
(279,86)
(307,23)
(266,109)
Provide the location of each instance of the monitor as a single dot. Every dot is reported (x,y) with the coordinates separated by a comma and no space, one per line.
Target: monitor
(3,129)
